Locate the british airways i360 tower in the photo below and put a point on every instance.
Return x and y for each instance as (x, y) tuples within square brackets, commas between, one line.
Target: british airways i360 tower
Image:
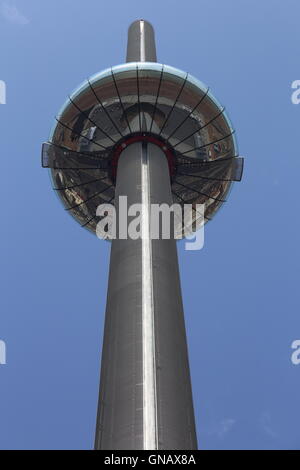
[(155, 134)]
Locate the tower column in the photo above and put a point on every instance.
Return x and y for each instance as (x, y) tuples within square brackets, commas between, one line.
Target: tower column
[(141, 42), (145, 399)]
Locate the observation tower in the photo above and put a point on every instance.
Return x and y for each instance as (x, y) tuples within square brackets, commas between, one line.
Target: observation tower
[(154, 134)]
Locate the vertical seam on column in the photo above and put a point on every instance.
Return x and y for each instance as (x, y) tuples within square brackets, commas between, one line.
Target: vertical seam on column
[(148, 330), (142, 41)]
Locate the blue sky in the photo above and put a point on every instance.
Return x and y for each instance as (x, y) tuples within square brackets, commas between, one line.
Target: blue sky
[(241, 292)]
